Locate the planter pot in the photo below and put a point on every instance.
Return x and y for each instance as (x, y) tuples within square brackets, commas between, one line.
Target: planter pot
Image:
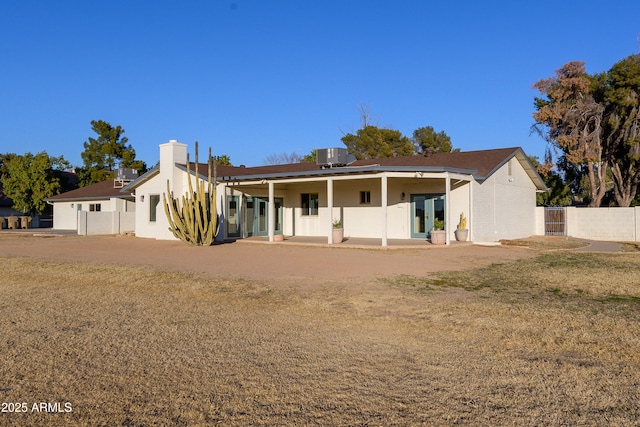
[(278, 237), (438, 237), (461, 234), (338, 235)]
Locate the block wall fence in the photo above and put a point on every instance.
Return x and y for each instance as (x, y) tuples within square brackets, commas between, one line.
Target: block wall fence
[(608, 224)]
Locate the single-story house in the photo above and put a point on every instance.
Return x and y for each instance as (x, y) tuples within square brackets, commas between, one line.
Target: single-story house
[(387, 198), (102, 202)]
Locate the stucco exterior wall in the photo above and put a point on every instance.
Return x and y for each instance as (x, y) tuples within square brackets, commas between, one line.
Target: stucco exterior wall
[(460, 202), (171, 153), (65, 214), (503, 205)]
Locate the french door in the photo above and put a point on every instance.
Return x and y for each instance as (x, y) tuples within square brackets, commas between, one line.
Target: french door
[(256, 216), (425, 208)]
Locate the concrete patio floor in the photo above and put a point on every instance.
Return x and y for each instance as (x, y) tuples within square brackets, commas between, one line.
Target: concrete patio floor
[(354, 242)]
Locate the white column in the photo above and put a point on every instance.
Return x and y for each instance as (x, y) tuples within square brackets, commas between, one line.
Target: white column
[(330, 209), (272, 212), (383, 207), (447, 210)]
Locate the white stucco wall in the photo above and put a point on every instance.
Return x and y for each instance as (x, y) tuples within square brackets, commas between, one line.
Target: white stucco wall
[(539, 221), (171, 153), (108, 222), (503, 206), (65, 214), (460, 202)]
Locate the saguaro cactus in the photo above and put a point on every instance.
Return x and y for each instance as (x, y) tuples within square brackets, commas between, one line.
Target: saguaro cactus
[(193, 218)]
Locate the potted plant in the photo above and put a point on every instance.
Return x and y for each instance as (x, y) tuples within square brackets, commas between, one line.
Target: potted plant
[(338, 231), (438, 234), (461, 232)]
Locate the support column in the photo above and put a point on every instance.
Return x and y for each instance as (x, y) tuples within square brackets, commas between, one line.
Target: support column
[(272, 212), (383, 206), (330, 209), (447, 206)]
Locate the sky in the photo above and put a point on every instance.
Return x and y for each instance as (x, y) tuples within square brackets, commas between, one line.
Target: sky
[(253, 78)]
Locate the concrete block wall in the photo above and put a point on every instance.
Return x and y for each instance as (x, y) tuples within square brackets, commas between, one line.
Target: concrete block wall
[(610, 224), (607, 224)]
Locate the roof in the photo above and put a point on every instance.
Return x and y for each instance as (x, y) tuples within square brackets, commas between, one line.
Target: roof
[(99, 191), (480, 164)]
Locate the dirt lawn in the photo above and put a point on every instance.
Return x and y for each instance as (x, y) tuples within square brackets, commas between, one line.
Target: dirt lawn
[(122, 331), (304, 266)]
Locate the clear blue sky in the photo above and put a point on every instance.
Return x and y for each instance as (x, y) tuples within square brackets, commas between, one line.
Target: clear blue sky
[(252, 78)]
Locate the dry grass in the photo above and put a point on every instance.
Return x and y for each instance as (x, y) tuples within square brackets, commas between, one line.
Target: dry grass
[(547, 242), (552, 340)]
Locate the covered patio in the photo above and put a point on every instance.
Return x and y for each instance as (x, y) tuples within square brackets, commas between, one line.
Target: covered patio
[(377, 205)]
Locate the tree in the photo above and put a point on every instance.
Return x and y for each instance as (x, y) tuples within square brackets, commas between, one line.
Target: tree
[(4, 162), (223, 160), (283, 158), (28, 180), (427, 140), (571, 118), (103, 154), (311, 157), (372, 142), (595, 121), (559, 193), (623, 127)]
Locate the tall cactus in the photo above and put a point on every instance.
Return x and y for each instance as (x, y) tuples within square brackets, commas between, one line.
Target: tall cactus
[(193, 218)]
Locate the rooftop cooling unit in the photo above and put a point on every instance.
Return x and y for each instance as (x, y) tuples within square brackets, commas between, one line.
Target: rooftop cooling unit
[(332, 157), (124, 176)]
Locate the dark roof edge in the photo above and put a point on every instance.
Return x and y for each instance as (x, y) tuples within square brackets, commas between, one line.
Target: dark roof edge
[(73, 199), (343, 170)]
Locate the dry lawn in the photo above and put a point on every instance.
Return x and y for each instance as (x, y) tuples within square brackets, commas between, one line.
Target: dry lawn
[(547, 340)]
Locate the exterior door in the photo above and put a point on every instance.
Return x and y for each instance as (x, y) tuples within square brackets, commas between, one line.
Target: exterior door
[(257, 216), (233, 216), (424, 209)]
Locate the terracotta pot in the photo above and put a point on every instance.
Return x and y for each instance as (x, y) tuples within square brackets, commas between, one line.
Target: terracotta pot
[(278, 237)]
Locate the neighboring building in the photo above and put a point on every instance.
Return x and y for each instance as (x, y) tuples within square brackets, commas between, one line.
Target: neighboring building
[(95, 209), (388, 198)]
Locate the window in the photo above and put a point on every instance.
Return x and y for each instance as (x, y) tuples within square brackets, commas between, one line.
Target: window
[(154, 200), (365, 197), (95, 207), (309, 204)]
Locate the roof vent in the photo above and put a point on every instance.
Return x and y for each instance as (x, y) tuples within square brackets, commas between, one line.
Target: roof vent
[(333, 157), (123, 176)]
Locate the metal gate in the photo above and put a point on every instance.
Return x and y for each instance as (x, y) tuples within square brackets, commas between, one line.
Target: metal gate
[(554, 221)]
